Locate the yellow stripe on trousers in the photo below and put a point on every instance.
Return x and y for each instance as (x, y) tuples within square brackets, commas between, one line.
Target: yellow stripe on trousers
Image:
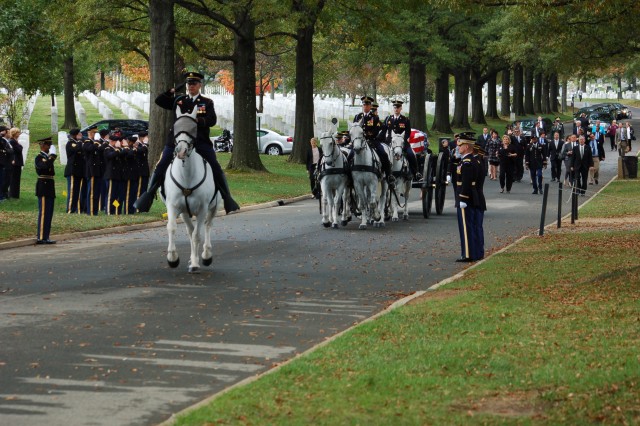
[(90, 207), (42, 210), (70, 195), (463, 213), (108, 206)]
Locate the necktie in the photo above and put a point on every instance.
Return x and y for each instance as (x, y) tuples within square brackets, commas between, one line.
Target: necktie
[(581, 151)]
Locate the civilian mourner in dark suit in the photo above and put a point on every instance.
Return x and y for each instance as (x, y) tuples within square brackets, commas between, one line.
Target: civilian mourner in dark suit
[(314, 155), (555, 157), (45, 190), (16, 164), (581, 162)]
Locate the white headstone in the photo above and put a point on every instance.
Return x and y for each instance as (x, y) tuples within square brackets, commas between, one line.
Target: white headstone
[(54, 119), (23, 140), (62, 144)]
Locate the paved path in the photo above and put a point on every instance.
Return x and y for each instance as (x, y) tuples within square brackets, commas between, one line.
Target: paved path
[(99, 331)]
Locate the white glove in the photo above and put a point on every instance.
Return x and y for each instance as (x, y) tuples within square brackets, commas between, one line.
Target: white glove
[(118, 145), (463, 205), (52, 150), (448, 178)]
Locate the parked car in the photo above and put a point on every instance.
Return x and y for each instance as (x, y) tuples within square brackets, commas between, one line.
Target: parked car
[(273, 143), (623, 111), (527, 124), (604, 117), (128, 127)]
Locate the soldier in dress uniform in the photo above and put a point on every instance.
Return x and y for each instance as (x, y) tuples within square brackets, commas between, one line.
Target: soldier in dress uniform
[(75, 173), (45, 189), (113, 175), (93, 156), (371, 127), (481, 169), (467, 199), (374, 108), (399, 123), (132, 174), (143, 162), (206, 118)]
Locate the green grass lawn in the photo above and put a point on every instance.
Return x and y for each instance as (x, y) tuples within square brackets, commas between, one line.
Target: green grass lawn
[(545, 333)]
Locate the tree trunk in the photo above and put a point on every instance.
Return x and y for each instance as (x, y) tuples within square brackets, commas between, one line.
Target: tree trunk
[(583, 86), (619, 89), (546, 101), (537, 94), (461, 97), (69, 100), (528, 91), (492, 98), (103, 83), (441, 115), (505, 102), (53, 99), (553, 92), (417, 85), (303, 131), (518, 105), (564, 95), (245, 148), (477, 111), (162, 67)]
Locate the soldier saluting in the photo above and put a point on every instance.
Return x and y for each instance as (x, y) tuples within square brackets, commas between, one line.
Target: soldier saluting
[(399, 123), (370, 123), (206, 118), (45, 189)]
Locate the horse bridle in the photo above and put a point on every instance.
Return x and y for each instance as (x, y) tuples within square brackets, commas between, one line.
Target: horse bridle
[(330, 156)]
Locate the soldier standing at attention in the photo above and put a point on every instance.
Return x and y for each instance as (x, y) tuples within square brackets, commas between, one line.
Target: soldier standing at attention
[(45, 189), (467, 198), (371, 127), (75, 173), (112, 175), (206, 118), (398, 123), (94, 160), (143, 162)]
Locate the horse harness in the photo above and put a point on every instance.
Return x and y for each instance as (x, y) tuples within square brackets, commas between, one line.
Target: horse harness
[(366, 168), (188, 191)]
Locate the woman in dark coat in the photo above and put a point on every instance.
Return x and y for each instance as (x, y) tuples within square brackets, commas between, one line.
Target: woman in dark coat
[(16, 163), (507, 154)]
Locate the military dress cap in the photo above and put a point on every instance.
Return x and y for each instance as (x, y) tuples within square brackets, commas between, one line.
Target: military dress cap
[(366, 100), (74, 131), (114, 136), (466, 138), (143, 133), (396, 103), (94, 127), (374, 105), (45, 141), (103, 132), (477, 148), (192, 76), (534, 138)]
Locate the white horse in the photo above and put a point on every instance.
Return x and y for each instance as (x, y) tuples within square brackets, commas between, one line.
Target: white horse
[(189, 190), (400, 170), (366, 172), (333, 181)]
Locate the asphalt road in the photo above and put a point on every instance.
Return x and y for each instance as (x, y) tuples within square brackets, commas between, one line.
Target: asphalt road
[(99, 331)]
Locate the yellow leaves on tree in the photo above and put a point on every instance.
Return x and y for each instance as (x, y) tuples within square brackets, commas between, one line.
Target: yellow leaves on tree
[(225, 78), (135, 68)]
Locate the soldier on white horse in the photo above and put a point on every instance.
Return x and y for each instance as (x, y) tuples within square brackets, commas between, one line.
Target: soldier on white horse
[(399, 123), (400, 170), (366, 172), (333, 180), (189, 191)]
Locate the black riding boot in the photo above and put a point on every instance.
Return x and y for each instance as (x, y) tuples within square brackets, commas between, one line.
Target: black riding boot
[(143, 204), (229, 203), (386, 168)]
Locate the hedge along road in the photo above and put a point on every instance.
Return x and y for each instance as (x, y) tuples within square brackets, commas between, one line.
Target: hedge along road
[(100, 331)]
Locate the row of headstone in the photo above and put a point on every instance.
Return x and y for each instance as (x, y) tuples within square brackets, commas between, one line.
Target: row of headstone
[(140, 100), (104, 110), (82, 114)]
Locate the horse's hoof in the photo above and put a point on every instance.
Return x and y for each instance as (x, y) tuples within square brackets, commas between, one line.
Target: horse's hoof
[(335, 226), (382, 224), (207, 262), (370, 222), (326, 224), (405, 217), (174, 264), (349, 219), (344, 222), (362, 226), (194, 270), (395, 219)]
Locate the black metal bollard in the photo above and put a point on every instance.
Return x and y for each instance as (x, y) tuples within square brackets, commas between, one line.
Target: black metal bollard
[(559, 204), (544, 208)]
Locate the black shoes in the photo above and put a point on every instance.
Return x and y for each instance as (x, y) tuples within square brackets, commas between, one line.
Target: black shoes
[(464, 259), (45, 242), (535, 192), (596, 181)]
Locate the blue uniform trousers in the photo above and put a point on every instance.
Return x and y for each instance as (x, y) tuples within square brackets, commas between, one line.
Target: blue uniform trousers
[(129, 195), (536, 178), (114, 192), (45, 215), (95, 187), (76, 194), (478, 252), (468, 232)]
